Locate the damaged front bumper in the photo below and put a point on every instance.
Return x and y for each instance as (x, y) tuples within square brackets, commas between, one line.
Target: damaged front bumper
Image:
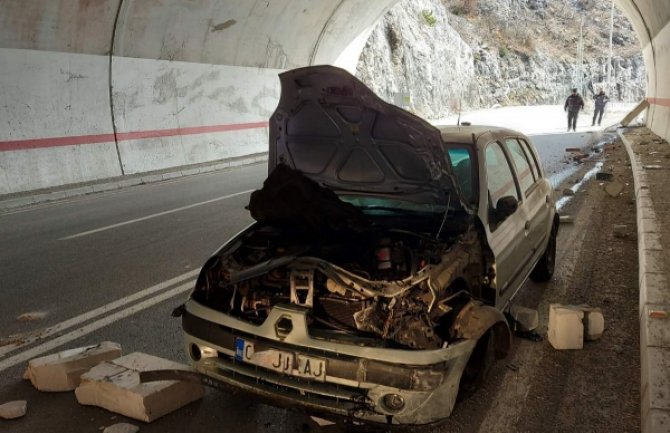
[(283, 363)]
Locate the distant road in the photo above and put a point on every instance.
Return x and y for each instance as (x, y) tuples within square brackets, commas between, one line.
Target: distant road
[(539, 119)]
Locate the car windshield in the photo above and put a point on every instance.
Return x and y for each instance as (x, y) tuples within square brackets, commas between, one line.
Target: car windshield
[(387, 206)]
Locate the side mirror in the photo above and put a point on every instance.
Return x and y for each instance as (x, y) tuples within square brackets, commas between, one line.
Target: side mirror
[(505, 207)]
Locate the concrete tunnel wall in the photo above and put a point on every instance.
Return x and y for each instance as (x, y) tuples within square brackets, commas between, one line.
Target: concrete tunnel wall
[(92, 89)]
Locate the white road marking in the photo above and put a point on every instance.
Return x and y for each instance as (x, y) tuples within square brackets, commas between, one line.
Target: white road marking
[(67, 324), (93, 326), (155, 215)]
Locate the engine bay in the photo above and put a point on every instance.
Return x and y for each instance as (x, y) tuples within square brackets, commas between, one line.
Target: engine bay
[(399, 277), (386, 284)]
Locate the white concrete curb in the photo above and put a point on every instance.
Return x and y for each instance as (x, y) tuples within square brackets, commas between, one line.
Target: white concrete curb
[(119, 183), (654, 307)]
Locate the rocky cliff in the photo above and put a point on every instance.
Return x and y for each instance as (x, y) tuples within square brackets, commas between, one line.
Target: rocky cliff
[(433, 56)]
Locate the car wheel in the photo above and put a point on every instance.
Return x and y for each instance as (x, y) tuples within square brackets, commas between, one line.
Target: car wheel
[(544, 269), (478, 367)]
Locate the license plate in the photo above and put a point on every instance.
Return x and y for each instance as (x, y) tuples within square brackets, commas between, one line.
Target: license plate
[(281, 361)]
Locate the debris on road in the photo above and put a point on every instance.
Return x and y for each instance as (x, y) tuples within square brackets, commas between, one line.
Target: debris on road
[(32, 316), (620, 231), (614, 188), (566, 330), (13, 409), (525, 319), (513, 367), (603, 175), (594, 323), (652, 167), (115, 386), (566, 219), (571, 325), (568, 192), (61, 371), (321, 422), (121, 427)]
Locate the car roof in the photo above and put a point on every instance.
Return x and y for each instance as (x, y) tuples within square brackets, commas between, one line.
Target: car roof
[(463, 134)]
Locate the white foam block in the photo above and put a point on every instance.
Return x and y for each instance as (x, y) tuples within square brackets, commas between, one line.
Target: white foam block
[(61, 371), (115, 386), (566, 330)]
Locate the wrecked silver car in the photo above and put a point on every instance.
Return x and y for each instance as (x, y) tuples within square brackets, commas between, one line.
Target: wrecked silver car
[(373, 283)]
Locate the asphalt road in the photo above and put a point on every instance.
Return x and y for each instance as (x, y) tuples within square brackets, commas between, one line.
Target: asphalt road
[(112, 266)]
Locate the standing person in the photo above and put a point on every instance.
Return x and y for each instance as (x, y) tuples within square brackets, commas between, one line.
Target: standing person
[(573, 104), (600, 100)]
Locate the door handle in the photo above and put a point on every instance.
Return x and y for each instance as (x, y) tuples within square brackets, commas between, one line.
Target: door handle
[(527, 225)]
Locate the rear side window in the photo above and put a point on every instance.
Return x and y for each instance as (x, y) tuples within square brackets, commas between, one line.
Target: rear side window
[(523, 166), (535, 165), (461, 161), (499, 174)]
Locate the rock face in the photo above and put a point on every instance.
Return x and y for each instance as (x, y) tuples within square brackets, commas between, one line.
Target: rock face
[(429, 55), (413, 51)]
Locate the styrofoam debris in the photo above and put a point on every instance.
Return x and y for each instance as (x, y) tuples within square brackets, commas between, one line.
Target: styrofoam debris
[(121, 427), (61, 371), (115, 386), (566, 330), (13, 409)]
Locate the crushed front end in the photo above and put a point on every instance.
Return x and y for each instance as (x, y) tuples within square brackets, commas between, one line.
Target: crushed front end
[(361, 290), (364, 316)]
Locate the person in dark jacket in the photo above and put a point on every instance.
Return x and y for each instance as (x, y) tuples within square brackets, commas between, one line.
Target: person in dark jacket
[(573, 104), (600, 101)]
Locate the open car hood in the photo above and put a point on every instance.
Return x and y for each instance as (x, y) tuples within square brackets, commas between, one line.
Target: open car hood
[(336, 131)]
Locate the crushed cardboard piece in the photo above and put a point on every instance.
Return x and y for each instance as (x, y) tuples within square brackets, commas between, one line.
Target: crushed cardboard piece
[(61, 371), (121, 427), (614, 188), (13, 409), (115, 386), (566, 330)]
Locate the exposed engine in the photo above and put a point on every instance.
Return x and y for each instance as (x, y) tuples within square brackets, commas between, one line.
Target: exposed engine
[(396, 280), (393, 285)]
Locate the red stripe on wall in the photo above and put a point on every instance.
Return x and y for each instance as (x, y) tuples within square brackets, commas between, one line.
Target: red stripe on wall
[(665, 102), (124, 136)]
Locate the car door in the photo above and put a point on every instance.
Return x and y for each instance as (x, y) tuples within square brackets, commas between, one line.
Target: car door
[(532, 196), (540, 203), (505, 236)]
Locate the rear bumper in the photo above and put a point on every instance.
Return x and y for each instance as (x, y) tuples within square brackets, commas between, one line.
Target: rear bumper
[(357, 378)]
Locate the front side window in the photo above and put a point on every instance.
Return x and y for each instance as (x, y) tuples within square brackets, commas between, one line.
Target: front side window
[(499, 174), (461, 161), (523, 170), (534, 162)]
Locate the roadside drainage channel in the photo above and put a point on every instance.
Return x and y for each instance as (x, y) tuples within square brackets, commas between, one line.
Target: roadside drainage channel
[(125, 182), (654, 306)]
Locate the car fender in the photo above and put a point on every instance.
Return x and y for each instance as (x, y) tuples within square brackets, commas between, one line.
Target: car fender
[(475, 319)]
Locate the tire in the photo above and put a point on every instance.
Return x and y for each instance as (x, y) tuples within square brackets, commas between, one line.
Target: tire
[(544, 269)]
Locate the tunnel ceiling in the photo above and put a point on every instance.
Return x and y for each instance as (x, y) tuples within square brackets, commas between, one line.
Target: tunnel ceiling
[(135, 65), (272, 34), (261, 33)]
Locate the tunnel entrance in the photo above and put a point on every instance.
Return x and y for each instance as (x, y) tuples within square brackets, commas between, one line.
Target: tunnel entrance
[(436, 57)]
